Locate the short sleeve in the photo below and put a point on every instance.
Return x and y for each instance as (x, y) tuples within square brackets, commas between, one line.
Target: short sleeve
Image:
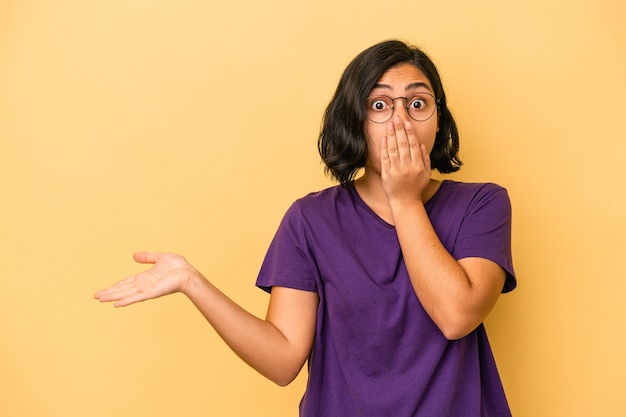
[(288, 261), (485, 231)]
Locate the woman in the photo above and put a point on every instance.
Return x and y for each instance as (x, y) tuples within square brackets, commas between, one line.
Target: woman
[(383, 281)]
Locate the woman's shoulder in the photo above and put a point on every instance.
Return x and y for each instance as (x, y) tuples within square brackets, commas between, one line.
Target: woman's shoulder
[(470, 187), (317, 201), (458, 193), (323, 197), (458, 188), (318, 208)]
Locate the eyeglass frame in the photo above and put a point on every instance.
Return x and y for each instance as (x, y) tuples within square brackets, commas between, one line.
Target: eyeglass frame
[(406, 101)]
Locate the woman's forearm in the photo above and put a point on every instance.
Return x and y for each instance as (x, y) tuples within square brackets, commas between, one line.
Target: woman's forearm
[(260, 343), (276, 347), (457, 295)]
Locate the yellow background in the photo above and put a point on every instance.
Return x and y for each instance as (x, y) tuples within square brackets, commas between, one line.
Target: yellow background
[(190, 126)]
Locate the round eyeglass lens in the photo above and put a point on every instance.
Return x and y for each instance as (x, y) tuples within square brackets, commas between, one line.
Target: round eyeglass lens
[(420, 107)]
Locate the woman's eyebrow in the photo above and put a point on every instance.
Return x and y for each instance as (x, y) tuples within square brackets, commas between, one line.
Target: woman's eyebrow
[(417, 85), (386, 86)]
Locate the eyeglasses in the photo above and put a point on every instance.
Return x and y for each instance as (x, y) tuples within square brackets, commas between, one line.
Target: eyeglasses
[(420, 107)]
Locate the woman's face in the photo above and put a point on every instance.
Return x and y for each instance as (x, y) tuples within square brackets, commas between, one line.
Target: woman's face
[(400, 81)]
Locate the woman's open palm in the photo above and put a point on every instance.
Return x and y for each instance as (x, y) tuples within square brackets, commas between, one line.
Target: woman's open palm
[(170, 274)]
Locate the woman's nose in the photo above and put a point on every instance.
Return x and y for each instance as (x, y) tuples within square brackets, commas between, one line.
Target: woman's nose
[(399, 108), (401, 112)]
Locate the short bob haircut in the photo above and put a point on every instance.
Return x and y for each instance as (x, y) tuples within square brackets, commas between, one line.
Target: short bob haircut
[(342, 144)]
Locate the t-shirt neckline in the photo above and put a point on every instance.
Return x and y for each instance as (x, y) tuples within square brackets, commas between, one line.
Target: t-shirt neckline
[(359, 200)]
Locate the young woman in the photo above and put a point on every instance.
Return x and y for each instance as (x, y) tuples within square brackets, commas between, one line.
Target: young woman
[(382, 282)]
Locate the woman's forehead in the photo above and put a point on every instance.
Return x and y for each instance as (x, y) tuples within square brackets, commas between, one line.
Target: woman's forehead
[(403, 76)]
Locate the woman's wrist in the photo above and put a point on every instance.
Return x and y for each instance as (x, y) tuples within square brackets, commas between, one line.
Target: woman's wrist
[(193, 283)]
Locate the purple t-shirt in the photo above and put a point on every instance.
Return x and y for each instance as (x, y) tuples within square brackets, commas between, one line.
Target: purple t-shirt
[(376, 351)]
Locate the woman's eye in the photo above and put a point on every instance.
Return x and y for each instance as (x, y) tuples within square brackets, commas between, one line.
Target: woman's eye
[(379, 105), (418, 104)]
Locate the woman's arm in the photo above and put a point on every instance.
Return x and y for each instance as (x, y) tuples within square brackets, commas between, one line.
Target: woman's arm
[(276, 347), (457, 295)]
